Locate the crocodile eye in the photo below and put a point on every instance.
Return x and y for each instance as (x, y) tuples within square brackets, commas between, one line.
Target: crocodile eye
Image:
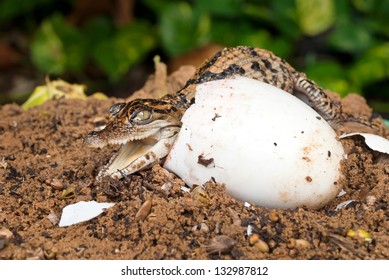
[(142, 116)]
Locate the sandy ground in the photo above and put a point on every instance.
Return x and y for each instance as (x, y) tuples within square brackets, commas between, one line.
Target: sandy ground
[(44, 166)]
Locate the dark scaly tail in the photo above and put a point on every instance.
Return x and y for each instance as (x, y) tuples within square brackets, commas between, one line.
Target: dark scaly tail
[(331, 111), (322, 103)]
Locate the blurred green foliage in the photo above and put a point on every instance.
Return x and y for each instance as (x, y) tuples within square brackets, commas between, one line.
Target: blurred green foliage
[(342, 45)]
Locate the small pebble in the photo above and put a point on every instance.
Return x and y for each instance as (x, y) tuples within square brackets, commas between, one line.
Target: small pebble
[(273, 216), (253, 238), (298, 244), (302, 244), (201, 228), (291, 243), (370, 200), (258, 243), (166, 187), (5, 236), (53, 218), (56, 184), (261, 246)]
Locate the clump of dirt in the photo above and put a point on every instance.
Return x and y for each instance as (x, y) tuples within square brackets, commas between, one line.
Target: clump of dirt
[(44, 166)]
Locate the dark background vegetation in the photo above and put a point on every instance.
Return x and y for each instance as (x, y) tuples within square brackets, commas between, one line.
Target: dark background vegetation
[(109, 45)]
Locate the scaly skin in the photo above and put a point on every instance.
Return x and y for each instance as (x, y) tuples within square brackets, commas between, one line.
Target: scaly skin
[(147, 128)]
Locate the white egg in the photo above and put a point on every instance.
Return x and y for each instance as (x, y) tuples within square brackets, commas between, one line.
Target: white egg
[(264, 144)]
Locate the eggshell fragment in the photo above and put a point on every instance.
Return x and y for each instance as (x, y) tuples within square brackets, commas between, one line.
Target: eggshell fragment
[(82, 211), (375, 142), (264, 144)]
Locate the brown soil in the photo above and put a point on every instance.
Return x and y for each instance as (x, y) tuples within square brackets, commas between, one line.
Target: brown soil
[(41, 155)]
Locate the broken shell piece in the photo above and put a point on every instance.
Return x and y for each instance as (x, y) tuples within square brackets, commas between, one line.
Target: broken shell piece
[(341, 193), (185, 189), (374, 142), (247, 204), (82, 211), (250, 230), (343, 204), (266, 146)]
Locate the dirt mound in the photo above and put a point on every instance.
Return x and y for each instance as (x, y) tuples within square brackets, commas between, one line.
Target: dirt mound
[(44, 166)]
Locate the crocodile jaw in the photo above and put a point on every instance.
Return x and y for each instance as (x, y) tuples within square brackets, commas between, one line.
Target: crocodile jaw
[(136, 154)]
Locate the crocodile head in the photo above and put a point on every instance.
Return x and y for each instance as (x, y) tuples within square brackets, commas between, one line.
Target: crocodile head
[(146, 129)]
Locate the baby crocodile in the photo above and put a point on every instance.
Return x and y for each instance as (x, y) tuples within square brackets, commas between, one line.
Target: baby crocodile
[(147, 128)]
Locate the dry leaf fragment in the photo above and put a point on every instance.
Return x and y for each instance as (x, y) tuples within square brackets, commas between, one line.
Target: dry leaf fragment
[(360, 233), (220, 244), (200, 194), (143, 211), (69, 192)]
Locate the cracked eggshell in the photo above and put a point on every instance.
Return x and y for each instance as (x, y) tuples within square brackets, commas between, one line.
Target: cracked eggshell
[(264, 144)]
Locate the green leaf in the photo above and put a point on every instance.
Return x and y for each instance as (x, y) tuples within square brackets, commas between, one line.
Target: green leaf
[(54, 90), (220, 7), (157, 5), (259, 38), (47, 49), (315, 16), (372, 66), (363, 5), (257, 11), (367, 70), (351, 38), (127, 47), (10, 9), (330, 75), (183, 29), (379, 16), (58, 47), (284, 18), (244, 33), (97, 30)]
